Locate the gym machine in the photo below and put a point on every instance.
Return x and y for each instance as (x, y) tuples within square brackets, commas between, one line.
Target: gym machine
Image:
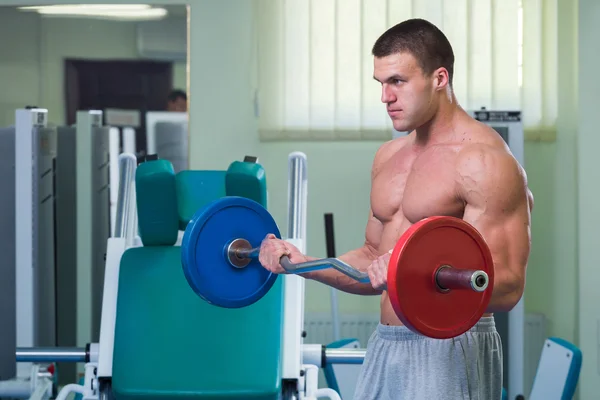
[(167, 136), (8, 339), (28, 293), (82, 229), (86, 190), (298, 374), (43, 355), (50, 174), (122, 139)]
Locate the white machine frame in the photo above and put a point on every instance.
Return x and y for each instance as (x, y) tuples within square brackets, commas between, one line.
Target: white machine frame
[(33, 380), (86, 122), (129, 146), (25, 190)]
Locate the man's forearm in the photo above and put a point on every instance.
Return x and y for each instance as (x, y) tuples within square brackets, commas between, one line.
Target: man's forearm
[(360, 259)]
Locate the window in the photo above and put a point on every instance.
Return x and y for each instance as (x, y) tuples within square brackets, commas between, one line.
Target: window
[(315, 65)]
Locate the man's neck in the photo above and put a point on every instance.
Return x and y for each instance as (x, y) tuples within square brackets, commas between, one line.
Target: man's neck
[(441, 124)]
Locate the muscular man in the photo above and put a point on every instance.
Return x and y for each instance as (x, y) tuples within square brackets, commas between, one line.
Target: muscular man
[(449, 164)]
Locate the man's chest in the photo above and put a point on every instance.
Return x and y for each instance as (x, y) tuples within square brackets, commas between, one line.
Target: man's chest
[(418, 186)]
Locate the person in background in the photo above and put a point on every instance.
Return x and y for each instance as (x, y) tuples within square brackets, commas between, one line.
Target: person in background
[(177, 101)]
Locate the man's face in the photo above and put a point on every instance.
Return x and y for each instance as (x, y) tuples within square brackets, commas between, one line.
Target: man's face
[(179, 105), (406, 91)]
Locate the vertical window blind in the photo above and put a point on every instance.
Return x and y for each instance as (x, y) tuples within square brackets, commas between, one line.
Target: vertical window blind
[(315, 68)]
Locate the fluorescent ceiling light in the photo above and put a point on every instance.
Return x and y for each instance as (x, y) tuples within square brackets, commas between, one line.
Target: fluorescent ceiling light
[(70, 8), (111, 11)]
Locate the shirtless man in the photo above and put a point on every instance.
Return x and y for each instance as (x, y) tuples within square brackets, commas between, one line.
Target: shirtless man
[(449, 164)]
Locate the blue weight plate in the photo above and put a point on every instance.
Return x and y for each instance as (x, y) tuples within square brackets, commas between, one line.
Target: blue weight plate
[(203, 250)]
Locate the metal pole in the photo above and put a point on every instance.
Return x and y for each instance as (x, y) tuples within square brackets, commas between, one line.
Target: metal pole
[(330, 242), (345, 356), (297, 196), (51, 354), (123, 215)]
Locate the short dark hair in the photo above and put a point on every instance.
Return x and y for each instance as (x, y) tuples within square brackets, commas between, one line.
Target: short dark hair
[(423, 40), (176, 94)]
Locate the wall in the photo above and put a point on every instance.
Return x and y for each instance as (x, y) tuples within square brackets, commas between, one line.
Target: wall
[(588, 190), (552, 284), (339, 176), (32, 67), (222, 123), (19, 63), (224, 128)]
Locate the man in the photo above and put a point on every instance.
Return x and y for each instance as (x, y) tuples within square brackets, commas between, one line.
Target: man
[(449, 164), (177, 101)]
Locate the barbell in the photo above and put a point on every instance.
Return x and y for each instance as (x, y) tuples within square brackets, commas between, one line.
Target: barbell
[(440, 272)]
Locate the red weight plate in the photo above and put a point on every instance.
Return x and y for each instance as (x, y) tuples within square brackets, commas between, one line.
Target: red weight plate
[(422, 249)]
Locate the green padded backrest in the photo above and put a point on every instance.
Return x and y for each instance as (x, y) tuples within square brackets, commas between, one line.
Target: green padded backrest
[(156, 203), (195, 189), (247, 179)]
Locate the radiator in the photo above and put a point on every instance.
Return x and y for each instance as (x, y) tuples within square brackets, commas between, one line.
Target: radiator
[(319, 328), (535, 336)]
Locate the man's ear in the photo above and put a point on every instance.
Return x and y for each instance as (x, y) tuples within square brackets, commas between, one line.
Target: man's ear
[(441, 78)]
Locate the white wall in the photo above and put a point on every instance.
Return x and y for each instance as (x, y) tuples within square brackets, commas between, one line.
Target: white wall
[(32, 62)]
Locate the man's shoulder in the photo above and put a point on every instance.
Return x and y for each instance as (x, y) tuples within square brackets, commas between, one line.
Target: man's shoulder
[(483, 143), (490, 173), (386, 150), (489, 165), (484, 155)]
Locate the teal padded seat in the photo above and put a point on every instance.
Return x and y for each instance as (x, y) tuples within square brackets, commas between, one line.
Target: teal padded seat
[(169, 343)]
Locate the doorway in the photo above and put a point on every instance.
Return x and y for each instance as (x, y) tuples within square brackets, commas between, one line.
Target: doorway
[(122, 84)]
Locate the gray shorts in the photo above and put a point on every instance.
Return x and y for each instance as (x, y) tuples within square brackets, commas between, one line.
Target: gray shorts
[(400, 364)]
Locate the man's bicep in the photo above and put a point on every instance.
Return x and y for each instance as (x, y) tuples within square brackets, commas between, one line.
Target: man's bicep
[(508, 236), (503, 231), (498, 205)]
